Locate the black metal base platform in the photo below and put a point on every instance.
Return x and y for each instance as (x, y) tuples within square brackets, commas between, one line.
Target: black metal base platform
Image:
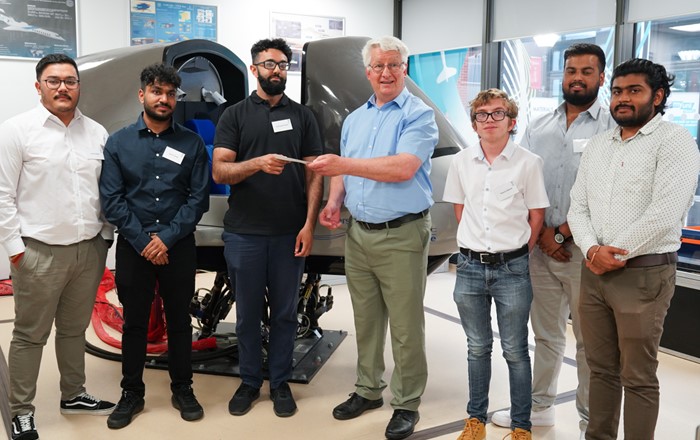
[(310, 354)]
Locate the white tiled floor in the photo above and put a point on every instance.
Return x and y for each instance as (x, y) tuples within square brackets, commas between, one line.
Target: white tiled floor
[(442, 409)]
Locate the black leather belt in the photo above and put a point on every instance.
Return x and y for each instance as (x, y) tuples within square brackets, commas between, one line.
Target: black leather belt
[(395, 223), (498, 258), (653, 260)]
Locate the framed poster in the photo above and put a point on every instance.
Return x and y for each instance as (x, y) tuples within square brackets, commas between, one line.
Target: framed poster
[(166, 22), (298, 29), (34, 28)]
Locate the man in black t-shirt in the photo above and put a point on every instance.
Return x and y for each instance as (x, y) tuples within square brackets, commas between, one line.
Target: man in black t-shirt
[(268, 228)]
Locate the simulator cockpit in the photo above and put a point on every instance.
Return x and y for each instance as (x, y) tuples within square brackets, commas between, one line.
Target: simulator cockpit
[(214, 78)]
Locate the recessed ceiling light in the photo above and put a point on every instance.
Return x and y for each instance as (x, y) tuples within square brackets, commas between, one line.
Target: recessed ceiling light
[(695, 27)]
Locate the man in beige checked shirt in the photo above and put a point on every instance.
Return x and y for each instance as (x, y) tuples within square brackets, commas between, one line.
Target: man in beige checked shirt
[(633, 189)]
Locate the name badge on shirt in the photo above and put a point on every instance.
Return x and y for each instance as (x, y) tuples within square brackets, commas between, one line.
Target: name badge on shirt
[(96, 155), (506, 191), (282, 125), (580, 145), (173, 155)]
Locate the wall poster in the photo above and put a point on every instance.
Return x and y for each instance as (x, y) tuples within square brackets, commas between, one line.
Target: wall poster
[(298, 29), (34, 28), (168, 22)]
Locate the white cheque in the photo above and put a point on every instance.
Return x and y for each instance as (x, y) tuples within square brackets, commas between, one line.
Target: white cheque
[(290, 159)]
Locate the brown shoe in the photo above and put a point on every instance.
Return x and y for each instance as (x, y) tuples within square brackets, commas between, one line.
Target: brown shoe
[(474, 429), (519, 434)]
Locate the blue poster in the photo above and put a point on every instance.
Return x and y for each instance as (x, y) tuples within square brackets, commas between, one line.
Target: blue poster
[(682, 109), (166, 22), (32, 29)]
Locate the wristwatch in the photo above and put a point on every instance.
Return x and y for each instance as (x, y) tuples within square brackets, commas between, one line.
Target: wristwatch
[(558, 236)]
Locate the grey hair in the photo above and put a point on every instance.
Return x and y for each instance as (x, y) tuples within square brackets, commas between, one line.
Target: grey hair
[(385, 43)]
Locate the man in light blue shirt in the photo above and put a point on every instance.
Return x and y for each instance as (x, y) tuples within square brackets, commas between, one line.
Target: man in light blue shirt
[(371, 132), (559, 138), (382, 177)]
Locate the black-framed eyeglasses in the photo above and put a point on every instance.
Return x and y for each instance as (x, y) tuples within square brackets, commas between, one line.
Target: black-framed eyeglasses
[(270, 65), (55, 83), (498, 115), (393, 67)]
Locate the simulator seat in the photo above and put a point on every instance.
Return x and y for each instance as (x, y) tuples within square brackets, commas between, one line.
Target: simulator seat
[(206, 129), (210, 252)]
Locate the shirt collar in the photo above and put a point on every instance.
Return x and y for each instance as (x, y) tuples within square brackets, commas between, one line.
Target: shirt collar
[(141, 126), (475, 151), (400, 100), (47, 115), (258, 100), (595, 110), (648, 128)]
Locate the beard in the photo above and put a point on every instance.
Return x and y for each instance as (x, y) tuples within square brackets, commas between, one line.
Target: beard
[(272, 88), (153, 114), (639, 116), (579, 99)]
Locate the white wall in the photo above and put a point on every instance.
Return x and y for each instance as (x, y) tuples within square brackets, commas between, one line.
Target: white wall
[(104, 24)]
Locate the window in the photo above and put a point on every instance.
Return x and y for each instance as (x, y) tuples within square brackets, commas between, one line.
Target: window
[(451, 79), (532, 70), (675, 43)]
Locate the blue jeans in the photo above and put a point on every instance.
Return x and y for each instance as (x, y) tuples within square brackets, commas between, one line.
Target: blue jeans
[(509, 286), (261, 265)]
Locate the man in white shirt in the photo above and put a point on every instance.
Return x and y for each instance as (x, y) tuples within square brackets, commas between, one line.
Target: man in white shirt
[(559, 137), (52, 229), (499, 199), (632, 193)]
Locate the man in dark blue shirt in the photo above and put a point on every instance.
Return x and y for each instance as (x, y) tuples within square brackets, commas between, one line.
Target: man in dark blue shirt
[(268, 228), (154, 189)]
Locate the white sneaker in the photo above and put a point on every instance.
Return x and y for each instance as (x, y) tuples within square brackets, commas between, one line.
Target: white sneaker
[(501, 418), (537, 418), (583, 435)]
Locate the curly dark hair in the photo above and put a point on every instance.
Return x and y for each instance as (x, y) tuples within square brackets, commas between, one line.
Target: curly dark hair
[(161, 73), (656, 77), (54, 58), (586, 49), (263, 45)]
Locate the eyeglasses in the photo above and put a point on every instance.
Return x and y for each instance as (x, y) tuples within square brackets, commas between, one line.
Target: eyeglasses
[(270, 65), (393, 67), (498, 115), (55, 83)]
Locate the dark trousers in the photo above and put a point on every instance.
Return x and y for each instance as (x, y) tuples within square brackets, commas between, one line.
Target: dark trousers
[(136, 280), (257, 265), (622, 318)]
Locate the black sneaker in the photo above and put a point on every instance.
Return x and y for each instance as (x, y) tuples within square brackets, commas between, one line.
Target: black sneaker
[(284, 404), (184, 400), (23, 427), (87, 404), (243, 399), (129, 405)]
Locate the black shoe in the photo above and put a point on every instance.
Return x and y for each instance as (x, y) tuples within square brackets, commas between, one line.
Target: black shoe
[(402, 424), (129, 405), (355, 406), (23, 427), (84, 403), (184, 400), (243, 399), (284, 404)]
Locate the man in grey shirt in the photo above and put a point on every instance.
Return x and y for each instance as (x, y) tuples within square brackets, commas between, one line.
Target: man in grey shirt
[(559, 137)]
